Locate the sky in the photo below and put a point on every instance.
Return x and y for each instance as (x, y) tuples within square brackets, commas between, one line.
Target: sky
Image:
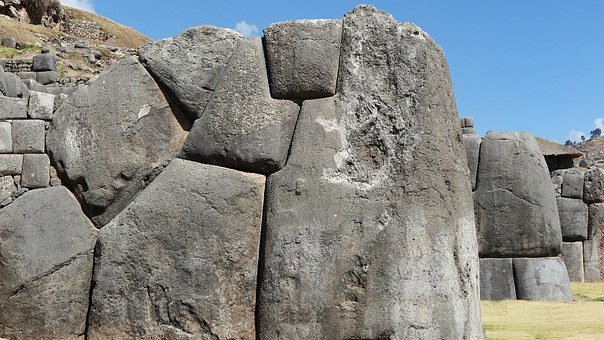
[(516, 65)]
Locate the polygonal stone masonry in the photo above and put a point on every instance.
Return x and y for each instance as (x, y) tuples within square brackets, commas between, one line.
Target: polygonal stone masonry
[(41, 105), (13, 108), (28, 136)]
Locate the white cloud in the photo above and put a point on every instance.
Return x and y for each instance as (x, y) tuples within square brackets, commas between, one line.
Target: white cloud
[(599, 123), (85, 5), (575, 136), (246, 29)]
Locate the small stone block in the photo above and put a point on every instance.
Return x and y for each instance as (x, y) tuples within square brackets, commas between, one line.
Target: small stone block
[(28, 136), (44, 62), (468, 131), (9, 42), (6, 139), (27, 75), (36, 171), (47, 77), (572, 187), (41, 105), (572, 254), (573, 218), (497, 279), (11, 165), (13, 108), (469, 122)]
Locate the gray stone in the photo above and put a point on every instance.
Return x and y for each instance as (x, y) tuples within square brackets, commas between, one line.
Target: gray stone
[(303, 57), (7, 187), (28, 136), (357, 247), (48, 77), (12, 86), (497, 279), (27, 75), (41, 105), (46, 268), (11, 108), (111, 137), (573, 219), (6, 139), (515, 204), (472, 147), (541, 279), (557, 177), (36, 171), (33, 85), (182, 258), (243, 127), (593, 187), (468, 131), (572, 255), (469, 122), (11, 164), (572, 187), (593, 248), (44, 62), (191, 64), (9, 42)]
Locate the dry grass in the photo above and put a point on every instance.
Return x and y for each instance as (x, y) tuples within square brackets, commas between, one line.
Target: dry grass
[(126, 36), (24, 32), (581, 319)]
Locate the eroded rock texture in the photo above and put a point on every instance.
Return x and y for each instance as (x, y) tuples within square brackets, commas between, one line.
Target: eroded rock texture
[(516, 207), (190, 65), (243, 127), (370, 227), (46, 253), (543, 279), (110, 138), (180, 262)]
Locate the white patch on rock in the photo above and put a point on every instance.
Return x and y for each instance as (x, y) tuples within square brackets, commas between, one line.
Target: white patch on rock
[(144, 111)]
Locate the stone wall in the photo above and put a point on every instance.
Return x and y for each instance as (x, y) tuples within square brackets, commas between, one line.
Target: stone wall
[(262, 188), (85, 30)]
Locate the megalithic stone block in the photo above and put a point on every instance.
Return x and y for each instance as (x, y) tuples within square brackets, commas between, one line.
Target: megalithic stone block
[(516, 207), (572, 255), (190, 65), (593, 248), (472, 147), (593, 188), (372, 216), (303, 58), (573, 184), (541, 279), (243, 128), (573, 218), (497, 279), (181, 260)]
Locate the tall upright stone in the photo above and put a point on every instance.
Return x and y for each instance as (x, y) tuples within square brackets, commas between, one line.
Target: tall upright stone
[(593, 248), (181, 261), (46, 253), (472, 147), (370, 227), (516, 207), (112, 137), (190, 65)]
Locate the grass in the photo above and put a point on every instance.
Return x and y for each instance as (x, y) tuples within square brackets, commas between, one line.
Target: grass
[(10, 53), (581, 319)]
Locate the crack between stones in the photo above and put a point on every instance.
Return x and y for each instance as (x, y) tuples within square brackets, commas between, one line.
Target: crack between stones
[(90, 291), (260, 265)]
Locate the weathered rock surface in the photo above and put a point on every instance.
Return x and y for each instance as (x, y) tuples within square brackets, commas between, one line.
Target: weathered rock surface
[(593, 188), (44, 62), (12, 86), (41, 105), (497, 279), (111, 137), (36, 171), (369, 228), (303, 58), (472, 147), (543, 279), (191, 64), (572, 187), (243, 127), (572, 255), (46, 247), (573, 219), (28, 136), (13, 108), (557, 180), (516, 207), (593, 249), (180, 262)]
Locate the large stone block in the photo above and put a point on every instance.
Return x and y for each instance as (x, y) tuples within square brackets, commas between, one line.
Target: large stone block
[(36, 171), (13, 108), (41, 105), (472, 147), (28, 136), (573, 219), (112, 136), (181, 260), (12, 86), (6, 137), (572, 255), (572, 187), (593, 188), (47, 77), (11, 164), (303, 58), (541, 279), (243, 127), (44, 62), (497, 279), (515, 204), (190, 65), (47, 251), (369, 227)]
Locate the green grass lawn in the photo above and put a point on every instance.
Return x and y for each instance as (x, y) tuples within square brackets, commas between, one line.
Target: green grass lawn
[(581, 319)]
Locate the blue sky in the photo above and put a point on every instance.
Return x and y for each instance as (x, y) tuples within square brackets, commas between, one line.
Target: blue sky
[(516, 65)]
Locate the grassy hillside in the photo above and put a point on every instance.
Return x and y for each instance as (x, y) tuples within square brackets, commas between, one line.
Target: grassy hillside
[(581, 319)]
